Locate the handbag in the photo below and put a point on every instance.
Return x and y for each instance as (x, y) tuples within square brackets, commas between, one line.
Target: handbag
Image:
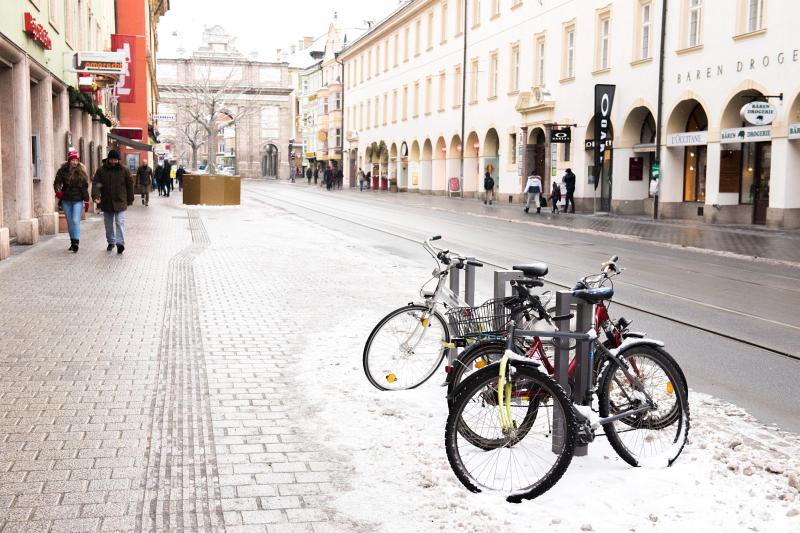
[(542, 201)]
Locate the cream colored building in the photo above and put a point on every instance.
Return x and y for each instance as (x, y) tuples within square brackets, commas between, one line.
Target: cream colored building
[(531, 64)]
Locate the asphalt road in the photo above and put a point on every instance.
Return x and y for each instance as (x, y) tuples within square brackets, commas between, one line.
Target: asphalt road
[(720, 298)]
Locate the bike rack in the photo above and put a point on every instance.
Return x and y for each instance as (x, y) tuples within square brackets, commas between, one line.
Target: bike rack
[(565, 303), (581, 394), (469, 282)]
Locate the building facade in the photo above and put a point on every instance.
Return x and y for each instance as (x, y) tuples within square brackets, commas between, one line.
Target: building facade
[(254, 97), (42, 112), (532, 66)]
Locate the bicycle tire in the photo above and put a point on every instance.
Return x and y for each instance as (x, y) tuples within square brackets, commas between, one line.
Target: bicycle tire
[(462, 454), (372, 366), (646, 428)]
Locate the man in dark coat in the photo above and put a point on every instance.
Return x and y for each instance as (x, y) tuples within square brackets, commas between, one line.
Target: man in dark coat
[(112, 191), (144, 174), (167, 177), (179, 176), (159, 180), (569, 184)]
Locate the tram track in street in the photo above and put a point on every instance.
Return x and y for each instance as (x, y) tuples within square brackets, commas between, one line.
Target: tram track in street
[(346, 216)]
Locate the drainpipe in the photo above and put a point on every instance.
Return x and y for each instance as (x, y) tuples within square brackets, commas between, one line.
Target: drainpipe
[(660, 111), (343, 128), (464, 100)]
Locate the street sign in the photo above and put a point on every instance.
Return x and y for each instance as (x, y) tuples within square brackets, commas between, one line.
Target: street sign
[(165, 117), (655, 170)]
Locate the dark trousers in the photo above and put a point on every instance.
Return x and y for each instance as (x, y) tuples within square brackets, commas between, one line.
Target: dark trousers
[(569, 198)]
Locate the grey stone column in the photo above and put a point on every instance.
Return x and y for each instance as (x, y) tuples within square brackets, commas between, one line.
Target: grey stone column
[(27, 227), (42, 119)]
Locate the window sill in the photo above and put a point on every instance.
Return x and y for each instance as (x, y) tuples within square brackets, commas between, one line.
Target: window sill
[(427, 113), (516, 6), (515, 92), (429, 48), (473, 102), (567, 80), (643, 61), (459, 34), (54, 25), (475, 26), (442, 42), (492, 98), (440, 110), (601, 71), (743, 36), (689, 50), (495, 16), (457, 106)]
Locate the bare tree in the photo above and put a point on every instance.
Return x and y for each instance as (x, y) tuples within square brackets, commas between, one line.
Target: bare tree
[(211, 96), (186, 132)]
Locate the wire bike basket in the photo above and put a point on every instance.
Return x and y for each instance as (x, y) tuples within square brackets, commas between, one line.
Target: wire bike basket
[(490, 317)]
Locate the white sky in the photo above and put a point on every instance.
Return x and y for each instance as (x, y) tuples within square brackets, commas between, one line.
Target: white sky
[(262, 25)]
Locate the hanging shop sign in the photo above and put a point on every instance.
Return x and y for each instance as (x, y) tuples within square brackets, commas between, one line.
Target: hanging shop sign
[(590, 144), (37, 32), (404, 150), (603, 102), (750, 134), (561, 135), (126, 45), (758, 113), (687, 138), (100, 62), (794, 131)]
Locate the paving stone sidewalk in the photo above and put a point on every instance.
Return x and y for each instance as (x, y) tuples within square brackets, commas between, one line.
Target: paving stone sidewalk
[(746, 240), (155, 391)]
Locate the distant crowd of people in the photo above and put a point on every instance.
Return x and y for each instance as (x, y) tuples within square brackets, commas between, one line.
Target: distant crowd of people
[(328, 176)]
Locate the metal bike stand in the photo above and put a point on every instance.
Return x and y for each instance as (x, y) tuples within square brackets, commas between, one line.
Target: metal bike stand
[(581, 394), (469, 294), (501, 279)]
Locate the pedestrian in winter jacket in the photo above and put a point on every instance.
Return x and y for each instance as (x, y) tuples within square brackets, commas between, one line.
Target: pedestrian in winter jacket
[(112, 190), (533, 187), (71, 186), (179, 176), (159, 179), (488, 188), (144, 175), (569, 184)]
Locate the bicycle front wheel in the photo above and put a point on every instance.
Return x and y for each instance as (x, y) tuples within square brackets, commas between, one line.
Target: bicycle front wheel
[(405, 348), (521, 458), (656, 436)]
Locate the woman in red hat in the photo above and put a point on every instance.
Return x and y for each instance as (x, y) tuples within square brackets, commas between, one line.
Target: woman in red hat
[(72, 190)]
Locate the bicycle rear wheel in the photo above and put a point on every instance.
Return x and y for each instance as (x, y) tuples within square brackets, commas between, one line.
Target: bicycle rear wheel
[(524, 460), (655, 437), (405, 348)]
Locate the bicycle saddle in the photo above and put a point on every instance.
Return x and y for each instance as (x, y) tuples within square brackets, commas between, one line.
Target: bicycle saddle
[(534, 270), (594, 295)]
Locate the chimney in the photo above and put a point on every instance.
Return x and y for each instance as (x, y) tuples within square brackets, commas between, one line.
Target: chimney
[(307, 42)]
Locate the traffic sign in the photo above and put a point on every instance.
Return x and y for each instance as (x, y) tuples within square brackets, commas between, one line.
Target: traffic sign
[(655, 170)]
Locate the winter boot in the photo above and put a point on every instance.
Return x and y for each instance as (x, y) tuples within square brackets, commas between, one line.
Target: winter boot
[(72, 246)]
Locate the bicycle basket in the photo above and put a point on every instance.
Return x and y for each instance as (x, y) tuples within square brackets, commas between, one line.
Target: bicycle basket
[(489, 317)]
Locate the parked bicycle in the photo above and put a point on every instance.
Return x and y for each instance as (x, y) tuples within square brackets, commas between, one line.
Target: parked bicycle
[(513, 429), (488, 349), (407, 346)]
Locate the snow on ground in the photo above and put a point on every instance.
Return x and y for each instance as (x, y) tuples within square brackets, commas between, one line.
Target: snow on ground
[(734, 475)]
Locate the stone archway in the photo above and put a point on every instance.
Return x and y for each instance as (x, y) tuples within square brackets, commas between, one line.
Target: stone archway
[(270, 162), (472, 171), (490, 157), (426, 168), (440, 166), (635, 152), (414, 166)]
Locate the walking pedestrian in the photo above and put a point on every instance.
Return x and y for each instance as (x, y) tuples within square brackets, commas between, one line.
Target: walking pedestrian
[(179, 175), (328, 178), (318, 175), (534, 188), (555, 195), (360, 177), (158, 178), (309, 173), (488, 188), (71, 186), (368, 179), (339, 178), (569, 185), (144, 175), (167, 177), (112, 190)]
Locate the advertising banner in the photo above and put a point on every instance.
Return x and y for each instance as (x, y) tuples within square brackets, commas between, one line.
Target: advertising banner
[(603, 101), (127, 45)]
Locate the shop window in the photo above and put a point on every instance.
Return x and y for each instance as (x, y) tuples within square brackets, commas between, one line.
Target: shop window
[(695, 160), (512, 148)]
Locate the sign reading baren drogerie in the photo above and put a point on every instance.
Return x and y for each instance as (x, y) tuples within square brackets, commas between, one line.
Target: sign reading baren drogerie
[(745, 135)]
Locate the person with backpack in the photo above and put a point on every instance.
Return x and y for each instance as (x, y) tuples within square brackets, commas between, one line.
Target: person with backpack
[(555, 195), (533, 187), (144, 175), (488, 188)]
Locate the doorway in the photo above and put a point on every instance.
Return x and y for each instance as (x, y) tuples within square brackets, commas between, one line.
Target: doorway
[(755, 179)]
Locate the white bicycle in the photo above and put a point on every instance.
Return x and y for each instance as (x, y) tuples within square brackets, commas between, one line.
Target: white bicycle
[(407, 346)]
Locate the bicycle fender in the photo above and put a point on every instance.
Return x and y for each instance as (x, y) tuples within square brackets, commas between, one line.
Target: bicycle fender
[(631, 342), (468, 350)]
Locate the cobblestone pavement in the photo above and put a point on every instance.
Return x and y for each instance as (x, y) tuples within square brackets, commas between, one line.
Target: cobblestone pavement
[(747, 240), (154, 391)]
